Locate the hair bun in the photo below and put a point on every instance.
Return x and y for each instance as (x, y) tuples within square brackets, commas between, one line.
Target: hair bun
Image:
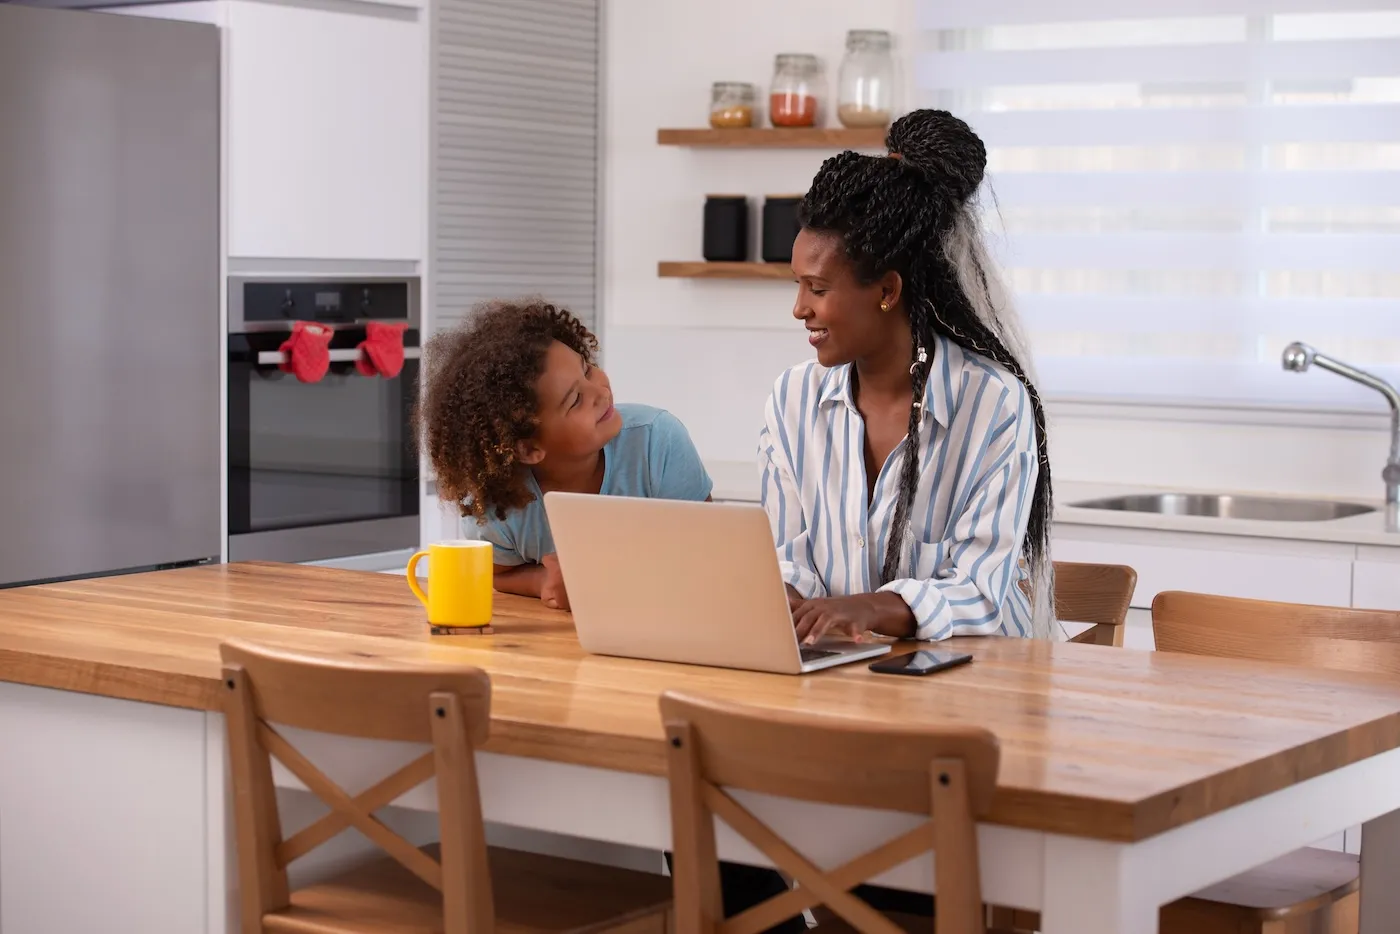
[(942, 147)]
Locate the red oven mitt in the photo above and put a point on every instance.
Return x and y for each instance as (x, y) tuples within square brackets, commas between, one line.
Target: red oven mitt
[(381, 352), (308, 351)]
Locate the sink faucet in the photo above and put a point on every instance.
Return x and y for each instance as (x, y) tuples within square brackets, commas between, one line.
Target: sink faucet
[(1298, 357)]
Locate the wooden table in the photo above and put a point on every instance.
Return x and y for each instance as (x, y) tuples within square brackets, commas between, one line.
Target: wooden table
[(1128, 778)]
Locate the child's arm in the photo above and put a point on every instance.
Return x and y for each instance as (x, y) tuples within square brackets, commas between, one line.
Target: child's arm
[(542, 580), (525, 580), (512, 572)]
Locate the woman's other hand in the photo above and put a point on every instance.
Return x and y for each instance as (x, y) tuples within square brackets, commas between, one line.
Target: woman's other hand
[(849, 618)]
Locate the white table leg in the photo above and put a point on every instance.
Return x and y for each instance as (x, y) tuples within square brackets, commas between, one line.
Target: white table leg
[(1380, 873), (1089, 890)]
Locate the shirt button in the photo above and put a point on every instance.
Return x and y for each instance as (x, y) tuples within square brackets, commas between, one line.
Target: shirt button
[(860, 542)]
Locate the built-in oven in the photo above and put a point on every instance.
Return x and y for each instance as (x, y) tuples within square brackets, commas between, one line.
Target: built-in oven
[(328, 468)]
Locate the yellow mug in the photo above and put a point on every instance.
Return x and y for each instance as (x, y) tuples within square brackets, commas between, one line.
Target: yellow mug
[(459, 583)]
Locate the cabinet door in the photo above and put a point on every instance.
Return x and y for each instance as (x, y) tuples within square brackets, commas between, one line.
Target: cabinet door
[(327, 132), (104, 818), (1257, 569), (1376, 579)]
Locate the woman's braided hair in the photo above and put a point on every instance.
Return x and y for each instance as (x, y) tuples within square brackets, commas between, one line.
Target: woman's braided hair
[(902, 214)]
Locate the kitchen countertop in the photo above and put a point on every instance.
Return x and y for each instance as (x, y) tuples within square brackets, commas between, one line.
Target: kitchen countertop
[(738, 482), (1096, 741)]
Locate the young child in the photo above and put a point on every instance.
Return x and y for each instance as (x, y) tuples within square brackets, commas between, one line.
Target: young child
[(513, 406)]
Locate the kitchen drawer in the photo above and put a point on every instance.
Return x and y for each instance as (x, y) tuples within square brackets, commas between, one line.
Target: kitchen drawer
[(1286, 571)]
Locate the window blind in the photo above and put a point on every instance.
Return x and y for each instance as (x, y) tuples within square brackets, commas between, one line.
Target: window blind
[(515, 100), (1183, 187)]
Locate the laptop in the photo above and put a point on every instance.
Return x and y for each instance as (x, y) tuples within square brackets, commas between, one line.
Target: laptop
[(673, 581)]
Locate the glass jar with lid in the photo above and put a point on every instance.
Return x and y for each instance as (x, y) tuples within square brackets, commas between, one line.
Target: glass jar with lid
[(796, 93), (731, 105), (865, 85)]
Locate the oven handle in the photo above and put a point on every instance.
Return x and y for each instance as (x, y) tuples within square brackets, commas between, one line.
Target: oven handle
[(350, 355)]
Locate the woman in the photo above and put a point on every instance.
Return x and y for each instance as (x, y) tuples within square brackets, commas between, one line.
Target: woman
[(905, 470)]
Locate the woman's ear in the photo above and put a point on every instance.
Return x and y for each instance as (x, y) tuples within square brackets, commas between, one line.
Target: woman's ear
[(891, 288), (528, 452)]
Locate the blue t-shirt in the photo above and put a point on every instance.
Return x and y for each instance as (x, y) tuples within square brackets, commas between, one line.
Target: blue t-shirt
[(652, 456)]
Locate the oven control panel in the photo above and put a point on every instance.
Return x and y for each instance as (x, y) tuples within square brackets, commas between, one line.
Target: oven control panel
[(258, 304), (325, 301)]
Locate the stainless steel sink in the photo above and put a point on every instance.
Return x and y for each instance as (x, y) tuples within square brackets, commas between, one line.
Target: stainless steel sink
[(1221, 506)]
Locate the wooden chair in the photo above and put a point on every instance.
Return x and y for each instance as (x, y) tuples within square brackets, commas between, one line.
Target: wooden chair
[(948, 775), (461, 886), (1094, 593), (1311, 891)]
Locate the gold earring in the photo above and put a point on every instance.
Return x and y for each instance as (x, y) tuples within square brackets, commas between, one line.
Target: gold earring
[(884, 306)]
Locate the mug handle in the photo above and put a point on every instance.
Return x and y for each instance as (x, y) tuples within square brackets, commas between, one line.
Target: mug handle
[(413, 578)]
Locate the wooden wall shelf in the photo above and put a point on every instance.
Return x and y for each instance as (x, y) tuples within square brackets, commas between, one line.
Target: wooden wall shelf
[(777, 272), (776, 138)]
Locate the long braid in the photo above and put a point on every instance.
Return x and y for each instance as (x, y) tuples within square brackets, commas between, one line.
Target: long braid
[(899, 214), (1037, 531), (919, 371), (974, 334), (909, 473)]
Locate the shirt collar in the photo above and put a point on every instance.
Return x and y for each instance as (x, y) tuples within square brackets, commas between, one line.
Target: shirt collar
[(938, 391), (836, 385)]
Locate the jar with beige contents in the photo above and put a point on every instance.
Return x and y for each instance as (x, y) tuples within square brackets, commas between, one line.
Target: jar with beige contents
[(731, 105), (865, 84)]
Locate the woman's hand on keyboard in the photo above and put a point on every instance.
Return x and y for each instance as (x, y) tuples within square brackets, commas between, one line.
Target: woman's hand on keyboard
[(851, 617)]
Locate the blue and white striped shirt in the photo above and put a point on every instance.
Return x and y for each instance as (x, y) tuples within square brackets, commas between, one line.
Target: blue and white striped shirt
[(977, 450)]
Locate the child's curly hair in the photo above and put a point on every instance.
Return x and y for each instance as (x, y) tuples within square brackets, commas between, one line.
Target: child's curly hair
[(478, 399)]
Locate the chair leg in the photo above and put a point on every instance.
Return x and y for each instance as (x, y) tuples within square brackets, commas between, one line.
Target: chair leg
[(1344, 917)]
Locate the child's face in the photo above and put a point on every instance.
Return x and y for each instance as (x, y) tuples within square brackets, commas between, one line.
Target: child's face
[(576, 413)]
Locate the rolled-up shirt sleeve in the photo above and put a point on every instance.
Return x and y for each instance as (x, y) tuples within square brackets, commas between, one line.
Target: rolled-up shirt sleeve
[(976, 565), (791, 534), (504, 550)]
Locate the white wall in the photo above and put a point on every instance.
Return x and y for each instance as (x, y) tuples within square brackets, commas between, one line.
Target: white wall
[(709, 351)]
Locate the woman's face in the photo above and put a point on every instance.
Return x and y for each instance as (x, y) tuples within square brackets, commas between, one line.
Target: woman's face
[(843, 317)]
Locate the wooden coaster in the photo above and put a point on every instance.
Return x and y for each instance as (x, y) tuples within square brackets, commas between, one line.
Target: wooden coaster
[(461, 630)]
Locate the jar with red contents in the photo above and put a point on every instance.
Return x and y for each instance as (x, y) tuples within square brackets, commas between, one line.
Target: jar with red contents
[(794, 100)]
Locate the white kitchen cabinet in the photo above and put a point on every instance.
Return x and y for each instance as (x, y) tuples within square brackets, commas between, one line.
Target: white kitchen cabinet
[(89, 783), (327, 131), (1376, 578), (1232, 566)]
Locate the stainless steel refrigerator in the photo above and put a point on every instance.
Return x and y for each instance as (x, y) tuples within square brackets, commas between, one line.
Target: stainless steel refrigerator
[(110, 344)]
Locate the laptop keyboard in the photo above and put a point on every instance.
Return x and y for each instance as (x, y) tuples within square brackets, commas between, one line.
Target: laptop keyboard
[(813, 655)]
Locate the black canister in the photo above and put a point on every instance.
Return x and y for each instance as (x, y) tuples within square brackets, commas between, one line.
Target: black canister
[(726, 237), (779, 227)]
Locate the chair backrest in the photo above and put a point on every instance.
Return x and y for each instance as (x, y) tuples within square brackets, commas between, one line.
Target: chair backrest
[(946, 774), (1094, 593), (448, 706), (1320, 636)]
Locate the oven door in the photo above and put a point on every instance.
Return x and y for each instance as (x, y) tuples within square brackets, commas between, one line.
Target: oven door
[(319, 470)]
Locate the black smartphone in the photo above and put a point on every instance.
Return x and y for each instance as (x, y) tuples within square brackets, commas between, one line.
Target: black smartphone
[(922, 662)]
